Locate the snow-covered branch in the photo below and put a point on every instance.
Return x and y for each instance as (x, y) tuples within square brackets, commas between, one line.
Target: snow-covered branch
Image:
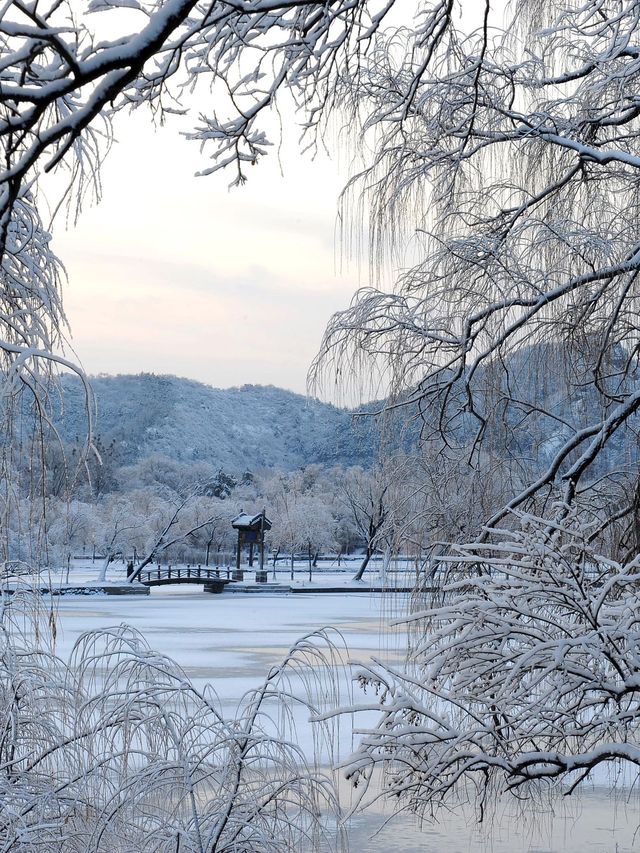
[(504, 178), (116, 749), (524, 669)]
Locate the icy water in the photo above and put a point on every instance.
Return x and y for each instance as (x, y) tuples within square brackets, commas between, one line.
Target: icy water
[(232, 641), (595, 822)]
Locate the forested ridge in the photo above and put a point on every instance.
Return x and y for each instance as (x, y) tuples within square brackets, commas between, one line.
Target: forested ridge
[(235, 429), (256, 427)]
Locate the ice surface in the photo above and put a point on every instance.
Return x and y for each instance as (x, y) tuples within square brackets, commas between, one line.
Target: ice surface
[(232, 641)]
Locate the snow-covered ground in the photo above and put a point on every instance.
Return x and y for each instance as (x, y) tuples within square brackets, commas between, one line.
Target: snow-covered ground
[(326, 573), (233, 640)]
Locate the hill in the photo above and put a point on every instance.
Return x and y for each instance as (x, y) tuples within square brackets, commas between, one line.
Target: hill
[(254, 427), (236, 429)]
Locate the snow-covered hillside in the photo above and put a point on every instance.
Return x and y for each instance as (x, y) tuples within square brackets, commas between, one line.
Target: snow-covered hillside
[(256, 427), (235, 429)]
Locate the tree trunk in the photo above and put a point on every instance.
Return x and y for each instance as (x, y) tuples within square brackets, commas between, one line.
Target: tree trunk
[(364, 564), (292, 555), (386, 561), (102, 574), (148, 559)]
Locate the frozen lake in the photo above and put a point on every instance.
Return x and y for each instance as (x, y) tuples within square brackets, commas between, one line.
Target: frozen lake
[(232, 641)]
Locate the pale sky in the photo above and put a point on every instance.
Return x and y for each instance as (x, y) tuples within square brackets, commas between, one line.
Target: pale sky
[(176, 274)]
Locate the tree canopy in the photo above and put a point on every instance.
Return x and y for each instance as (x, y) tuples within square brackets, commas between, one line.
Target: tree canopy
[(503, 175)]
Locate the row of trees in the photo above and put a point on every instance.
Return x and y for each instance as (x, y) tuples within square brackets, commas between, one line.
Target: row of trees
[(160, 508), (313, 510)]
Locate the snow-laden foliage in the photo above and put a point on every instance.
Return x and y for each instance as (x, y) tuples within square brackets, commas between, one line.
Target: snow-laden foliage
[(524, 674), (115, 750), (501, 170)]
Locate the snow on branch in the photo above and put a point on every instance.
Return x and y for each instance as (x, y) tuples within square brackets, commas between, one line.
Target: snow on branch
[(500, 171), (115, 749), (524, 672)]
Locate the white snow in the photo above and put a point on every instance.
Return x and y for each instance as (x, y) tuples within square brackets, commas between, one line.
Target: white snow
[(232, 641)]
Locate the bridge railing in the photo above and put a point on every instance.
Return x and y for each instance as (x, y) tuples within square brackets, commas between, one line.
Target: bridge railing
[(185, 574)]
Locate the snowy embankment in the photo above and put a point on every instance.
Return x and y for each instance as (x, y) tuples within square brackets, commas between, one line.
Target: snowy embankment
[(326, 576)]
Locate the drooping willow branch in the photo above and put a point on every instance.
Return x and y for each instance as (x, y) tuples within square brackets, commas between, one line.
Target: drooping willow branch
[(507, 156)]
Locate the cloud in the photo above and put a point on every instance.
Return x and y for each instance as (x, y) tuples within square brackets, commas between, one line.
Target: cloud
[(175, 274), (134, 314)]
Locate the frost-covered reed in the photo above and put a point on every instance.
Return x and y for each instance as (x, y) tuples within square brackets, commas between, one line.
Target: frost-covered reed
[(115, 750)]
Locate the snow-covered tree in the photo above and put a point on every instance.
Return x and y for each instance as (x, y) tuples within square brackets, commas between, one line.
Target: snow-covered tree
[(209, 518), (500, 170), (114, 749), (69, 528), (120, 522), (303, 513), (174, 522), (379, 505), (524, 672), (504, 138)]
